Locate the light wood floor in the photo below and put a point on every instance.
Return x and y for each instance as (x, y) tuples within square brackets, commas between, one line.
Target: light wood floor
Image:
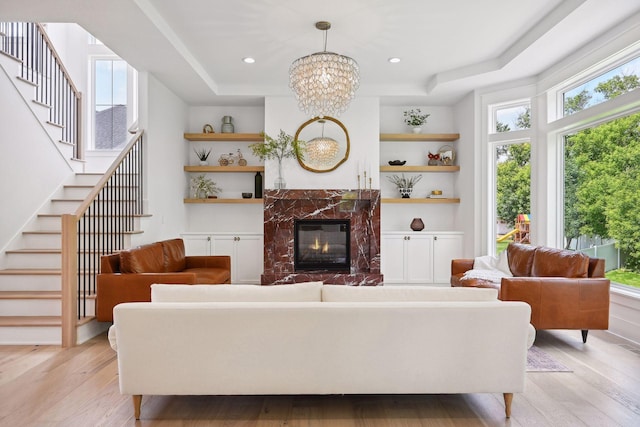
[(50, 386)]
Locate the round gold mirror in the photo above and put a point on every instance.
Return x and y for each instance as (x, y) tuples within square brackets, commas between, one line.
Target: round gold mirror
[(326, 144)]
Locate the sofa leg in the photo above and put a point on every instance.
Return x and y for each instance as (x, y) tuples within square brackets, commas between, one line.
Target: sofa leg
[(137, 401), (584, 335), (508, 398)]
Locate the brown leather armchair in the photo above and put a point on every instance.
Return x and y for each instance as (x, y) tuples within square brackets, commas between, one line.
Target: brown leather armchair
[(565, 289), (127, 276)]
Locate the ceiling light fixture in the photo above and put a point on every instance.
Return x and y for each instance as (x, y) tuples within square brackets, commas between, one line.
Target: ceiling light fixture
[(324, 82), (248, 60), (394, 60)]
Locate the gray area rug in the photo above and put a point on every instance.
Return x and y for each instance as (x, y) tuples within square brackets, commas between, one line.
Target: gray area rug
[(540, 361)]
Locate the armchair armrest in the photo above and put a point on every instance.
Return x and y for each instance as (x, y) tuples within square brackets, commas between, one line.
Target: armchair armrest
[(561, 303), (113, 289), (211, 261), (461, 265)]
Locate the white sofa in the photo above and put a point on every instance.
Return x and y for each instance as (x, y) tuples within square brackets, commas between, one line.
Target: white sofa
[(315, 339)]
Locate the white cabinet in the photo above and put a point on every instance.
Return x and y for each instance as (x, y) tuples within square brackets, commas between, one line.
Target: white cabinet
[(419, 257), (245, 250)]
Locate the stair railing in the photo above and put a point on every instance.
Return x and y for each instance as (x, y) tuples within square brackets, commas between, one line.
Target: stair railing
[(99, 227), (42, 66)]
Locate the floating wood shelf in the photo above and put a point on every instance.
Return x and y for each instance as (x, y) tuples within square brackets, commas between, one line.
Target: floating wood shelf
[(224, 137), (420, 200), (419, 168), (236, 201), (224, 168), (410, 137)]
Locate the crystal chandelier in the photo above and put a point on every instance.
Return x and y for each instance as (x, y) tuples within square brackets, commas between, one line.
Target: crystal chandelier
[(322, 151), (324, 82)]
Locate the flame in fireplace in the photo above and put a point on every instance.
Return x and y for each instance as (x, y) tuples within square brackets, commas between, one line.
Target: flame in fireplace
[(317, 247), (325, 248)]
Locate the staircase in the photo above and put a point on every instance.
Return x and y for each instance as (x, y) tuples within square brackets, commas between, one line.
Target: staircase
[(102, 212)]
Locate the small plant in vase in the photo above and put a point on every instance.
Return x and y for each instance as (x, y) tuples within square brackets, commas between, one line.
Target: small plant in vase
[(203, 155), (405, 185), (203, 187), (282, 147), (415, 119)]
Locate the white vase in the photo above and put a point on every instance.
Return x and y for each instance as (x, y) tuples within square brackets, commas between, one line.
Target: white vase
[(204, 163), (417, 130)]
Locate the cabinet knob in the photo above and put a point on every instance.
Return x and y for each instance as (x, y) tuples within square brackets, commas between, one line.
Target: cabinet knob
[(435, 237), (208, 238)]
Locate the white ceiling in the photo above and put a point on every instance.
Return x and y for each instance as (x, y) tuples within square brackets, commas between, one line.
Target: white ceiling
[(447, 47)]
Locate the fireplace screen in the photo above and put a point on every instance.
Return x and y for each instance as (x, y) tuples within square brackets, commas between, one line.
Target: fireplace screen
[(322, 244)]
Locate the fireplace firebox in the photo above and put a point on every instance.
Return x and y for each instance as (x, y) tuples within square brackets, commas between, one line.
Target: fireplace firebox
[(322, 244)]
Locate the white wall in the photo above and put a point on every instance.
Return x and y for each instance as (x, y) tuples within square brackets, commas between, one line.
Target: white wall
[(163, 116), (32, 168)]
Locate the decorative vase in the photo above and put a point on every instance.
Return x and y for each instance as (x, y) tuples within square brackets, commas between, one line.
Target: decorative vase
[(203, 163), (417, 130), (227, 125), (279, 183), (417, 224), (405, 192), (257, 190)]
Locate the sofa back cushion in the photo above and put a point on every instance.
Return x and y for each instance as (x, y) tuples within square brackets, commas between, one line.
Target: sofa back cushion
[(551, 262), (298, 292), (143, 259), (174, 259), (520, 258), (339, 293)]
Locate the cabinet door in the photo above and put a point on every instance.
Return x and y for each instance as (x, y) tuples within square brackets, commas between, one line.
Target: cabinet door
[(249, 259), (392, 259), (197, 244), (419, 259), (445, 248)]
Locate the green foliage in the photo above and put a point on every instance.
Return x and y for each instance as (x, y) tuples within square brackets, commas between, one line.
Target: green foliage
[(415, 117), (617, 85), (624, 277), (201, 186), (285, 146), (502, 127), (577, 103), (602, 184), (404, 182), (523, 121), (514, 183)]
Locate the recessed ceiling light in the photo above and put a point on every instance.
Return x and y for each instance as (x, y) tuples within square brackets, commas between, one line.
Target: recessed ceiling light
[(394, 60), (248, 60)]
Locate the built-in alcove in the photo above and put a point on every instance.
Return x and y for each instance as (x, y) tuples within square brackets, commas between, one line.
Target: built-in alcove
[(350, 217)]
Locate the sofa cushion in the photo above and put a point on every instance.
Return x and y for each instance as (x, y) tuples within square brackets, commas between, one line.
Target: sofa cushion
[(210, 276), (298, 292), (174, 259), (551, 262), (143, 259), (340, 293), (520, 259)]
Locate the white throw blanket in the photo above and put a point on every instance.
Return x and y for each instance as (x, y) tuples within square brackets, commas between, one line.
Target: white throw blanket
[(489, 268)]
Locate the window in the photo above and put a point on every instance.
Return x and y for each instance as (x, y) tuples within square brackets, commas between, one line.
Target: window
[(602, 195), (605, 86), (110, 113), (510, 117)]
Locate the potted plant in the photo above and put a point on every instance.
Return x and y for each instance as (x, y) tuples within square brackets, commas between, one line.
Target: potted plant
[(282, 147), (203, 155), (203, 187), (405, 185), (415, 119)]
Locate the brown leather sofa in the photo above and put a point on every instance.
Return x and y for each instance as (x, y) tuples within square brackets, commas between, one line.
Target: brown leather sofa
[(565, 289), (127, 276)]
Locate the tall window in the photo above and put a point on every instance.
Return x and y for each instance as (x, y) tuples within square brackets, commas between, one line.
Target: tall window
[(110, 104), (602, 194)]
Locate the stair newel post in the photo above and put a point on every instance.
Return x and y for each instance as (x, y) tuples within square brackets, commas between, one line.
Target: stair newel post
[(69, 280)]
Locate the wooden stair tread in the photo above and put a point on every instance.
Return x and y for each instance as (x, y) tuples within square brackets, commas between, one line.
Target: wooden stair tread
[(58, 215), (30, 321), (34, 251), (30, 294), (31, 272), (59, 232)]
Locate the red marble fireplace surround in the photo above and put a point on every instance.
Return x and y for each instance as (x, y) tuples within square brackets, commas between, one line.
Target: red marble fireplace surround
[(282, 207)]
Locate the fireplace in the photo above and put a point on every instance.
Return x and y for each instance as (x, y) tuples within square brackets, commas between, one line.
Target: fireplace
[(321, 244), (356, 260)]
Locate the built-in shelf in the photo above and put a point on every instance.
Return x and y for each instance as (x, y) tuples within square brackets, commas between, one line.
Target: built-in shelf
[(419, 168), (237, 201), (224, 168), (409, 137), (224, 137), (420, 200)]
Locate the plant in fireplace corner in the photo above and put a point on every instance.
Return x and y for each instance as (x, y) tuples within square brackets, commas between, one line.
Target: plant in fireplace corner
[(282, 147)]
